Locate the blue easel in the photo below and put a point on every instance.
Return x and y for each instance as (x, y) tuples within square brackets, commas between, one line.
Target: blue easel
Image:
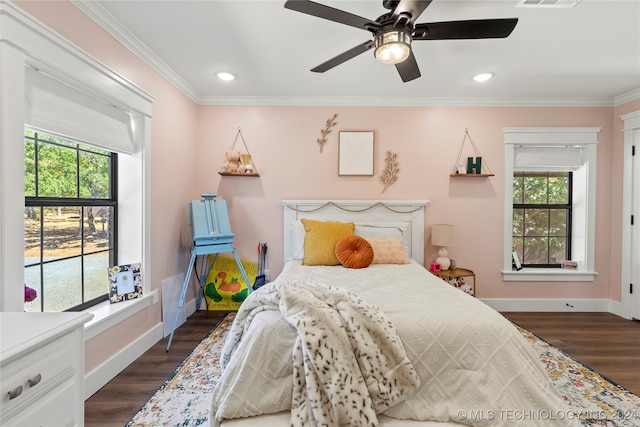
[(212, 234)]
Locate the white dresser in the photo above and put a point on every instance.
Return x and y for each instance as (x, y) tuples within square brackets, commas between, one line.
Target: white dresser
[(42, 369)]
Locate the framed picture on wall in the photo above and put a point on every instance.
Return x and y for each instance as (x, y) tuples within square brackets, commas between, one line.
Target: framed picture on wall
[(355, 153)]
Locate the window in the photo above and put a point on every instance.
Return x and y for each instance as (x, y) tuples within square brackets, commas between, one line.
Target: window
[(542, 217), (70, 222), (550, 199)]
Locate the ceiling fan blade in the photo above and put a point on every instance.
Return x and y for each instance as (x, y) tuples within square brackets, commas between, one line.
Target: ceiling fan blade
[(330, 13), (412, 7), (408, 69), (343, 57), (471, 29)]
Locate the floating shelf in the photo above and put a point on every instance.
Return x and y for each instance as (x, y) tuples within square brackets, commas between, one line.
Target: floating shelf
[(472, 175), (238, 174)]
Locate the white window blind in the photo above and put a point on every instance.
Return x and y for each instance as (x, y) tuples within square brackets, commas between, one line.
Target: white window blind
[(56, 107), (547, 158)]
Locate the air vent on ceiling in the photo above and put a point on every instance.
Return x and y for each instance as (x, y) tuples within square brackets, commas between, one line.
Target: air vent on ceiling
[(548, 3)]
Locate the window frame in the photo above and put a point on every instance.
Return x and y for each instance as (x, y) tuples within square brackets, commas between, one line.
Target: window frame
[(583, 208), (42, 202), (567, 207)]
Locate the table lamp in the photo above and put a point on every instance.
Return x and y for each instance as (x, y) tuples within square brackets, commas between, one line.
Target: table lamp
[(442, 235)]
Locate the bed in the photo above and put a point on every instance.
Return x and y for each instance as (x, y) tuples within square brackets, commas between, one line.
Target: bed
[(423, 352)]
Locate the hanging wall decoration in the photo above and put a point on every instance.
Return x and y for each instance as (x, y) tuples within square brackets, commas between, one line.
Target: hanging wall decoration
[(238, 162), (331, 122), (474, 166), (390, 173)]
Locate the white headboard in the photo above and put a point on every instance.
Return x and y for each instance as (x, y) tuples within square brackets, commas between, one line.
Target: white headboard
[(410, 212)]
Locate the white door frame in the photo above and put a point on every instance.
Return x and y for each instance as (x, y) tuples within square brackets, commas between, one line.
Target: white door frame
[(631, 206)]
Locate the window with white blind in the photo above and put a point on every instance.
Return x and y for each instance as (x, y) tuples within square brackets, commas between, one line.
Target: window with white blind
[(549, 217)]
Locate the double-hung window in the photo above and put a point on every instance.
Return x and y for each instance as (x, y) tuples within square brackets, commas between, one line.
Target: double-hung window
[(70, 222), (549, 216), (542, 218)]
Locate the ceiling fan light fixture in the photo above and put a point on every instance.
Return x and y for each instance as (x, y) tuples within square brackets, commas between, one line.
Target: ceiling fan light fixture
[(392, 47)]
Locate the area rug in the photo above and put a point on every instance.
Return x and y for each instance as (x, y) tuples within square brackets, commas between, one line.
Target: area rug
[(184, 399)]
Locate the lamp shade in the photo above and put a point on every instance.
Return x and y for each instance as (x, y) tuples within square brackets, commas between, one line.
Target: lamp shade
[(442, 235)]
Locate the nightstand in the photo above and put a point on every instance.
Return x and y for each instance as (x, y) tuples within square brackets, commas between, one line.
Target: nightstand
[(453, 277)]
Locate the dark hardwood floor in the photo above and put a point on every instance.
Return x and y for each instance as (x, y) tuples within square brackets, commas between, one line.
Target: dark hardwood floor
[(120, 399), (602, 341)]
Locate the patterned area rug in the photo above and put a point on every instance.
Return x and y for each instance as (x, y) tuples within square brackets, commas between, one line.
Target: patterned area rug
[(184, 399)]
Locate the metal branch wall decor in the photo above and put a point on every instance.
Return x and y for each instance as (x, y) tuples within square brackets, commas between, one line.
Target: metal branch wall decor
[(390, 173), (331, 122)]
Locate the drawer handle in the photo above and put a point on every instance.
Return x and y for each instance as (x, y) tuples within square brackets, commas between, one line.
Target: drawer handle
[(35, 380), (15, 392)]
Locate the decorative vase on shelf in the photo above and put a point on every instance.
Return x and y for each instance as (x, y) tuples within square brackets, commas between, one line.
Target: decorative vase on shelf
[(453, 264)]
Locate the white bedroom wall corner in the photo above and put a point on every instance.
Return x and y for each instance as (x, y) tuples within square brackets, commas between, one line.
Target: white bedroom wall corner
[(96, 379)]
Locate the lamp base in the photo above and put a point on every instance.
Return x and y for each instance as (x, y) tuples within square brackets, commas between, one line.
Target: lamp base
[(444, 262), (443, 258)]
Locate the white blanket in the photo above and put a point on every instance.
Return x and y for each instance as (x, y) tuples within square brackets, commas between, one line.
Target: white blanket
[(348, 363), (474, 367)]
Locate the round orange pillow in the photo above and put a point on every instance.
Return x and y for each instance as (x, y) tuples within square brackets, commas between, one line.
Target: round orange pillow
[(354, 251)]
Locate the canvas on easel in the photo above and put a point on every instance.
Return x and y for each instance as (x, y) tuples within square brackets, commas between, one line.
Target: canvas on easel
[(225, 288)]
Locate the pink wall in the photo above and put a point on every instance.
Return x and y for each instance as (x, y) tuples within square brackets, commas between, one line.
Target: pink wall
[(282, 141), (188, 144)]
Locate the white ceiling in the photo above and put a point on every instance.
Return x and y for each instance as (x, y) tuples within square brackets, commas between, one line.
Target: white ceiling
[(585, 55)]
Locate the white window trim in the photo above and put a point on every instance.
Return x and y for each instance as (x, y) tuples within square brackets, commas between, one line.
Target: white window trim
[(46, 49), (584, 228)]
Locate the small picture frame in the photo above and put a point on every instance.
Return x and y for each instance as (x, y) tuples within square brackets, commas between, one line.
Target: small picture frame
[(125, 282), (355, 153), (515, 260)]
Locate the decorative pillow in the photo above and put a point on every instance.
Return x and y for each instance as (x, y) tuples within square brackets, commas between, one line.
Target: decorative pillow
[(384, 229), (354, 252), (388, 251), (320, 240)]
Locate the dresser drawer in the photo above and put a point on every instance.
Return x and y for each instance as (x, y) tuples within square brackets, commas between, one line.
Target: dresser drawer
[(56, 409), (34, 374)]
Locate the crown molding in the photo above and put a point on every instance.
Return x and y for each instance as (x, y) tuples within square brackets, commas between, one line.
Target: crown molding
[(408, 102), (633, 95), (104, 19)]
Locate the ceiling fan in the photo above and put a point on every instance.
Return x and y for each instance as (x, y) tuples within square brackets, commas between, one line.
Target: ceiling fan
[(394, 31)]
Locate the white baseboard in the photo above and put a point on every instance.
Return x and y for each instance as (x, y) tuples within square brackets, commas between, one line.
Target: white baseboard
[(96, 379), (550, 305)]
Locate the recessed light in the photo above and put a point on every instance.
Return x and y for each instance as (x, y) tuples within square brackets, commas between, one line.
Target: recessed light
[(223, 75), (482, 77)]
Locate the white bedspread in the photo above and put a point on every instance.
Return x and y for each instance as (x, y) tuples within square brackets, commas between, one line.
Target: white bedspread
[(348, 362), (474, 367)]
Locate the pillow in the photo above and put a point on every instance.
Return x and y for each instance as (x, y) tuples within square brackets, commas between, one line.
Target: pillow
[(320, 240), (354, 252), (388, 251), (297, 239), (384, 229)]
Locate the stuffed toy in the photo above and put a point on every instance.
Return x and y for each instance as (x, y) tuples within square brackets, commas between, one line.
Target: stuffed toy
[(231, 163)]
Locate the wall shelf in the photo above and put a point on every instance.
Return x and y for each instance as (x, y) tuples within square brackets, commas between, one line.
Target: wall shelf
[(472, 175), (238, 174)]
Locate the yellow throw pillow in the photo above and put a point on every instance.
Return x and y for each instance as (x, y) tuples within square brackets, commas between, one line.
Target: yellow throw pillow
[(320, 240), (388, 251)]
